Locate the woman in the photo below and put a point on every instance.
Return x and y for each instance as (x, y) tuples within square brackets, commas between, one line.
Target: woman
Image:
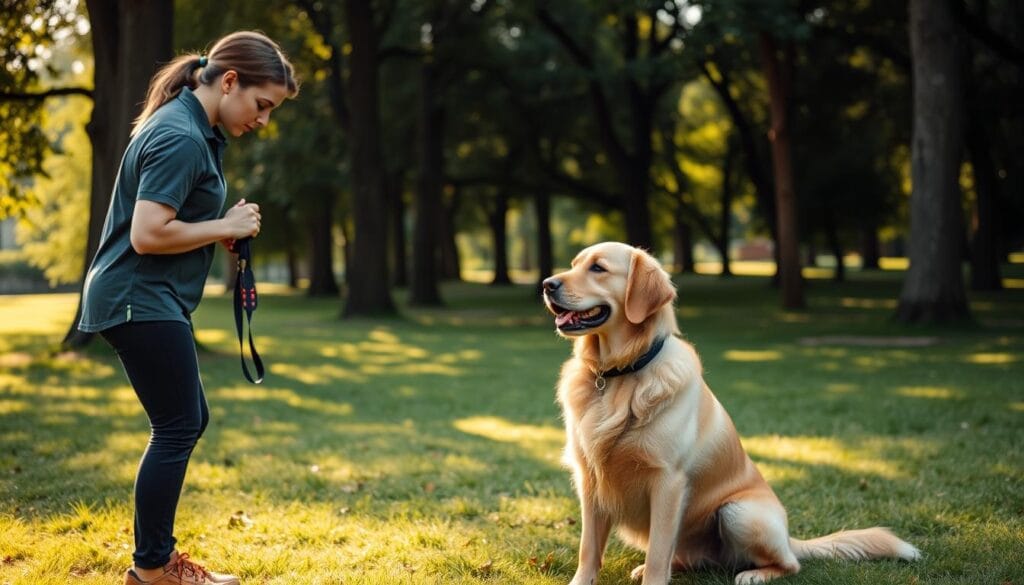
[(154, 256)]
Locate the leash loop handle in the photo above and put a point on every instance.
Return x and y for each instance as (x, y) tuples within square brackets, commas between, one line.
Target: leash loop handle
[(246, 302)]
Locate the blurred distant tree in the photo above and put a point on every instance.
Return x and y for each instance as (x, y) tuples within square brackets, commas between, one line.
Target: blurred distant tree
[(351, 34), (995, 80), (852, 100), (52, 233), (29, 32), (774, 28), (933, 288), (628, 63)]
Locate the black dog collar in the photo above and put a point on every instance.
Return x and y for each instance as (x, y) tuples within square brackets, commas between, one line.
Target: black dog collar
[(602, 377)]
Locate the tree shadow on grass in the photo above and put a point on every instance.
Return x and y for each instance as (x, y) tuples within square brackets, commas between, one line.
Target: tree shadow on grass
[(455, 424)]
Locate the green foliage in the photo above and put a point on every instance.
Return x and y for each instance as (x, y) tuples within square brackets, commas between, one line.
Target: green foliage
[(30, 33), (52, 232)]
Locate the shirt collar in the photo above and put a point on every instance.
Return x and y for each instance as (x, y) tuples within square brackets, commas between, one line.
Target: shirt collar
[(199, 115)]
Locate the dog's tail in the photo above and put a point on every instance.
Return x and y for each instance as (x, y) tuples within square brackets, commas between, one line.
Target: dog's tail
[(855, 545)]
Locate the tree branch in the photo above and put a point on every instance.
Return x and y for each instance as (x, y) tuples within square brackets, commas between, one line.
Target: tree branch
[(980, 30), (604, 116), (27, 96)]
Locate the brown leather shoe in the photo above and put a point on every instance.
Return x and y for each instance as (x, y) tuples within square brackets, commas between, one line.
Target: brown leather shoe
[(182, 571)]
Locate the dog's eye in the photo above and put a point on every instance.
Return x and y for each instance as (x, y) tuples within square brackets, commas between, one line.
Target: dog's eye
[(595, 267)]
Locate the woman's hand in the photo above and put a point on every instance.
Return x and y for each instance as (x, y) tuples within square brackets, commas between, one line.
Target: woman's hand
[(243, 220), (229, 243)]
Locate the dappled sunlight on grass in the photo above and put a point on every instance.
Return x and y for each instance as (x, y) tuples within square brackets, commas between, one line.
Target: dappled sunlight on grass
[(285, 397), (841, 388), (422, 368), (13, 406), (382, 352), (37, 314), (11, 381), (894, 263), (739, 355), (934, 392), (541, 442), (819, 451), (312, 375), (211, 336), (794, 318), (388, 452), (991, 358), (862, 303)]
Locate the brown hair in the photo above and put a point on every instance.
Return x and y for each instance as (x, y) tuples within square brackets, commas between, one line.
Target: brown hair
[(252, 55)]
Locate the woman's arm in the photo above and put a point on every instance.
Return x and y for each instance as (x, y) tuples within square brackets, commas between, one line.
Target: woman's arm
[(156, 229)]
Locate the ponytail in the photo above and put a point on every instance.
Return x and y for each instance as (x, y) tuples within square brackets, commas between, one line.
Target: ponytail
[(166, 84), (252, 55)]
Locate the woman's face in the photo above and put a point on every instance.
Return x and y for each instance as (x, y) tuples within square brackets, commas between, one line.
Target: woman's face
[(244, 109)]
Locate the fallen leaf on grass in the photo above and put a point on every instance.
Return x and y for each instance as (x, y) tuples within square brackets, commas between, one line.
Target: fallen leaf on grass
[(240, 520), (542, 567), (485, 569)]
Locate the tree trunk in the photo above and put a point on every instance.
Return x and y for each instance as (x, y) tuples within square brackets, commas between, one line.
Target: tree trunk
[(636, 168), (756, 168), (682, 245), (130, 39), (499, 235), (423, 289), (834, 246), (450, 265), (984, 254), (367, 275), (545, 256), (785, 196), (396, 206), (933, 289), (638, 215), (870, 250), (725, 213), (321, 250), (292, 260)]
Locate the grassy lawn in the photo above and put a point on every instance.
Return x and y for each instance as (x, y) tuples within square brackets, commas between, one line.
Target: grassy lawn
[(424, 449)]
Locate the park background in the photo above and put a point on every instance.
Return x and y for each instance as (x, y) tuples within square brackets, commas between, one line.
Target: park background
[(835, 186)]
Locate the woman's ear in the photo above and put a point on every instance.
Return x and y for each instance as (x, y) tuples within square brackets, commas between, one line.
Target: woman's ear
[(648, 288), (228, 81)]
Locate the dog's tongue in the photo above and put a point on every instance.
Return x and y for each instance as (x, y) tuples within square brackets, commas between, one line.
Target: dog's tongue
[(564, 318)]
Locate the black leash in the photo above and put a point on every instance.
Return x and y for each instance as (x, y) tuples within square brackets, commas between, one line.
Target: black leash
[(245, 299)]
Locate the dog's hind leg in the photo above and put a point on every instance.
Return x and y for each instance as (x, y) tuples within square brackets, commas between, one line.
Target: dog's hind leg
[(754, 532)]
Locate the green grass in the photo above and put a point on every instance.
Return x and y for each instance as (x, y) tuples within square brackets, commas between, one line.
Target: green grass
[(424, 449)]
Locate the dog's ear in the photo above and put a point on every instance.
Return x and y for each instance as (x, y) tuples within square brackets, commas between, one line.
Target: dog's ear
[(648, 288)]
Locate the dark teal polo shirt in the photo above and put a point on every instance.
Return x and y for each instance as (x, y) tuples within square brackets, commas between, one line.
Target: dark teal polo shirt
[(174, 159)]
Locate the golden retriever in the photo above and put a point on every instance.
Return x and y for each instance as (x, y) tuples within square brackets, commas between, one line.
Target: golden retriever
[(651, 449)]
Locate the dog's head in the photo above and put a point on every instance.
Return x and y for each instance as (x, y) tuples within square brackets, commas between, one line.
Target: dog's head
[(609, 285)]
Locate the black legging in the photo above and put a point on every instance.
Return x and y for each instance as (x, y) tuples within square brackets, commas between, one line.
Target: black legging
[(160, 360)]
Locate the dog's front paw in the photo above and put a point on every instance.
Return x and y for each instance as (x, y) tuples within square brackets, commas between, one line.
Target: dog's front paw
[(637, 573), (584, 578)]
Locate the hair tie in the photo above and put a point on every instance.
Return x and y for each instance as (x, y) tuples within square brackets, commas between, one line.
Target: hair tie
[(203, 61)]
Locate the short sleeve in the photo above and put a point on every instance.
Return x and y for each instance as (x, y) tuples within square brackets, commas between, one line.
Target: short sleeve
[(170, 168)]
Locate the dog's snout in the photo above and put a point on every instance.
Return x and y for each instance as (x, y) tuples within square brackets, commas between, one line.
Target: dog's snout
[(552, 284)]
